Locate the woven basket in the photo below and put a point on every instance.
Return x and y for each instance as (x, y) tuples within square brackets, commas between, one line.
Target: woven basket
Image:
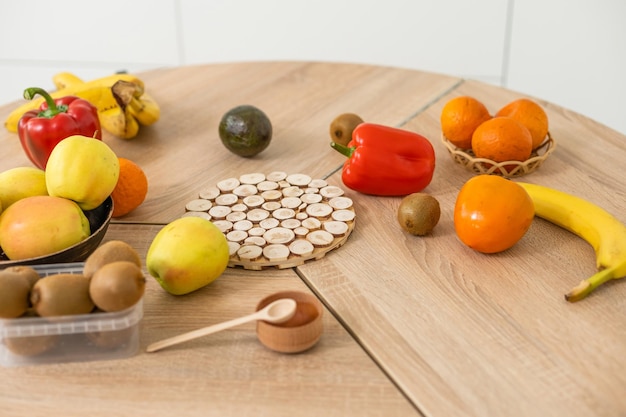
[(509, 169)]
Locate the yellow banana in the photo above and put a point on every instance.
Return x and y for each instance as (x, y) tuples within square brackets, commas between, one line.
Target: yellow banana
[(119, 122), (605, 233), (68, 81), (113, 111), (145, 109), (65, 79), (139, 107), (142, 106)]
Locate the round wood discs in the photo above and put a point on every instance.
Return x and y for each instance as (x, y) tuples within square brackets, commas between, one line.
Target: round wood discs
[(276, 220)]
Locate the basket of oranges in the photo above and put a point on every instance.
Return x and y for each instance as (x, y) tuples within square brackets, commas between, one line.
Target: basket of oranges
[(512, 143)]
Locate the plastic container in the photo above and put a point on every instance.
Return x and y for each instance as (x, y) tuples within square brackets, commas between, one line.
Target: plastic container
[(77, 338)]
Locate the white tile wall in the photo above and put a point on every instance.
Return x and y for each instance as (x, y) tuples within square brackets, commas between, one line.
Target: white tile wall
[(570, 52)]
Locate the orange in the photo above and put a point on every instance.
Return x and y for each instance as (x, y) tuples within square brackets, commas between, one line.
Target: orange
[(491, 213), (531, 115), (502, 139), (131, 188), (460, 117)]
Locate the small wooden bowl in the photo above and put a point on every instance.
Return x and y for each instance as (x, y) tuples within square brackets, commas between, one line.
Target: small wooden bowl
[(299, 333), (99, 219)]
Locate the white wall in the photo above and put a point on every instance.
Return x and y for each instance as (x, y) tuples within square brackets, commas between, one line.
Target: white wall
[(569, 52)]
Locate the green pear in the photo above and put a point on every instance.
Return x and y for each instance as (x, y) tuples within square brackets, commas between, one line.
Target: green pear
[(41, 225), (21, 182), (82, 169), (187, 254)]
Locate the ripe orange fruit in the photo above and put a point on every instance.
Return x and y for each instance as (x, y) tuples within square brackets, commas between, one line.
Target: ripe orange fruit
[(460, 117), (491, 213), (131, 188), (502, 139), (531, 115)]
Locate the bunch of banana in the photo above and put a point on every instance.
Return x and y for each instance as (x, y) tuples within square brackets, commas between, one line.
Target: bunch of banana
[(120, 99), (605, 233)]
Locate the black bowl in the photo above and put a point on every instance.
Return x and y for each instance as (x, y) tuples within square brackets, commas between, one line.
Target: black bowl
[(99, 219)]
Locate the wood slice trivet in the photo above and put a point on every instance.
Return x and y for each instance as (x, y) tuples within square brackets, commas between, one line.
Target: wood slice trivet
[(276, 220)]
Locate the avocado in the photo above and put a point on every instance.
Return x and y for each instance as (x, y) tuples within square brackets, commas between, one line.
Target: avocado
[(245, 130)]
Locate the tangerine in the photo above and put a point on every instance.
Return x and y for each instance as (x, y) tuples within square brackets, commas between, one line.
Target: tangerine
[(531, 115), (492, 213), (459, 118), (131, 188), (502, 139)]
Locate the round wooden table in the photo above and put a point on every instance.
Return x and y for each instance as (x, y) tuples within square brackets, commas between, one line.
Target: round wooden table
[(413, 326)]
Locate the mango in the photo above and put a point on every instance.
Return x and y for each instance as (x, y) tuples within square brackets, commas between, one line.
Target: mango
[(187, 254), (41, 225), (21, 182), (82, 169)]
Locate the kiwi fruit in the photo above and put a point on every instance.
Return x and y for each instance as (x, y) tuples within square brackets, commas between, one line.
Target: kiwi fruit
[(419, 213), (245, 130), (31, 345), (27, 272), (342, 126), (61, 294), (111, 251), (14, 294), (117, 286)]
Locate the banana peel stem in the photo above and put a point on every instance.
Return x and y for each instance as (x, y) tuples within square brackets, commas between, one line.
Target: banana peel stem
[(586, 286)]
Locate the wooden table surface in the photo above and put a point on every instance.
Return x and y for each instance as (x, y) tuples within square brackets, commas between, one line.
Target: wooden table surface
[(413, 326)]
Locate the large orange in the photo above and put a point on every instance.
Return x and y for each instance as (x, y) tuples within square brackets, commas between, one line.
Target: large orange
[(131, 188), (460, 117), (502, 139), (491, 213), (531, 115)]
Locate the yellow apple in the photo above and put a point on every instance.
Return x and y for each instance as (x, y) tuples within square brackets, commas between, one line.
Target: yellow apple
[(21, 182), (82, 169), (187, 254), (41, 225)]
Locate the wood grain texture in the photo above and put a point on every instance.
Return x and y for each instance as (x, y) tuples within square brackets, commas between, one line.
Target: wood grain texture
[(182, 153), (463, 333), (226, 374), (457, 333)]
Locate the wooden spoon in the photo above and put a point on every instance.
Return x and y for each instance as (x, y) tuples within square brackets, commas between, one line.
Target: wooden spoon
[(278, 311)]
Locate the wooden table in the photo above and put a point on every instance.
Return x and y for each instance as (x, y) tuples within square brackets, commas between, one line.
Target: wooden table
[(413, 326)]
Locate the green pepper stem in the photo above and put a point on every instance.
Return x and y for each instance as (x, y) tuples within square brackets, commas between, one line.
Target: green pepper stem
[(344, 150), (52, 110)]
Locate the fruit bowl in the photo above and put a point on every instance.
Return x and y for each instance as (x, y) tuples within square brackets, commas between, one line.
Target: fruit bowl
[(508, 169), (99, 219)]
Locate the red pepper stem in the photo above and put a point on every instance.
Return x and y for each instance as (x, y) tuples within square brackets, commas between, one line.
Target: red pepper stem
[(344, 150), (52, 110)]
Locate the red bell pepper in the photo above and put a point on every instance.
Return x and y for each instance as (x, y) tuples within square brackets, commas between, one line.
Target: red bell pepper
[(387, 161), (40, 130)]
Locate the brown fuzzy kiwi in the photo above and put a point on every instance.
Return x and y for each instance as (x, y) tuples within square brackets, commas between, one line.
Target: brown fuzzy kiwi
[(27, 272), (117, 286), (342, 126), (31, 345), (14, 293), (419, 213), (61, 294), (111, 251)]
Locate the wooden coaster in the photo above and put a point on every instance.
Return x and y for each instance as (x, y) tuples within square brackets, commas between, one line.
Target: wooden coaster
[(276, 220)]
